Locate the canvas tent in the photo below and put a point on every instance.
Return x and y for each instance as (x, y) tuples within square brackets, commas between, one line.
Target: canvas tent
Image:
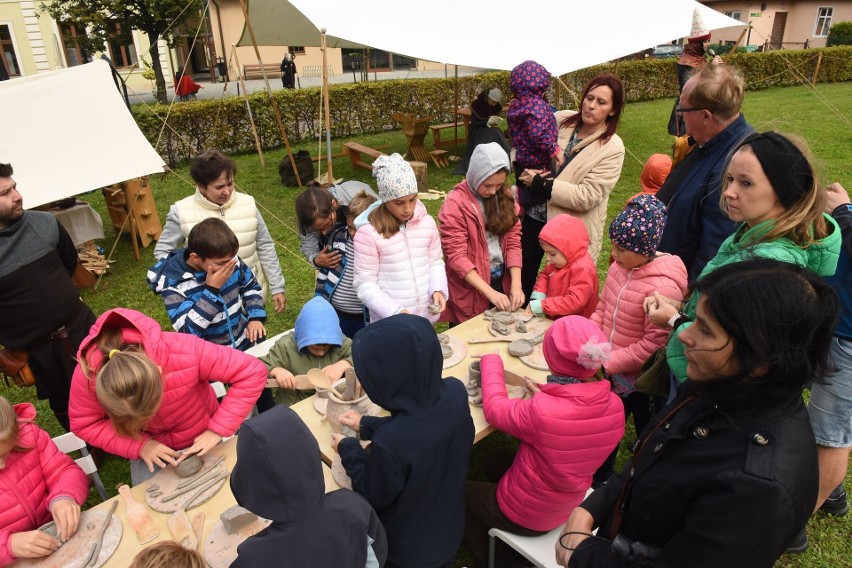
[(68, 132), (562, 36)]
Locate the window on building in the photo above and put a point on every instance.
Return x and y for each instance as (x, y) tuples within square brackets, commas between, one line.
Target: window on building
[(297, 49), (74, 54), (9, 65), (121, 50), (735, 15), (823, 21)]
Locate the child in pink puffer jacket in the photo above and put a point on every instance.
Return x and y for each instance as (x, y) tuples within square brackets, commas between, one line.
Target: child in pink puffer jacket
[(37, 483), (637, 272), (566, 430), (399, 267)]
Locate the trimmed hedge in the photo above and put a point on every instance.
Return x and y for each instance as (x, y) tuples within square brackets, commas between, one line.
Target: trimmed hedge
[(365, 108)]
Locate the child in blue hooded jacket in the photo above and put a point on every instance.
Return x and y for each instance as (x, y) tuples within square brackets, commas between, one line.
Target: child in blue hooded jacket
[(316, 342)]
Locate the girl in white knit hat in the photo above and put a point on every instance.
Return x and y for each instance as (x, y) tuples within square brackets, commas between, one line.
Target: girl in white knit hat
[(398, 262)]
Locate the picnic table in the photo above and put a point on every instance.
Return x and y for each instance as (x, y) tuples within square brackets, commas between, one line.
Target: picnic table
[(473, 328), (224, 499)]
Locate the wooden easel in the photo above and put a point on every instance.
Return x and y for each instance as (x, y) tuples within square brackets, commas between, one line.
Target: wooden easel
[(132, 203)]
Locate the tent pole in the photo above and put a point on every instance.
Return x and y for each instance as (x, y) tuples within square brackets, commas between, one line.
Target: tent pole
[(455, 112), (272, 100), (330, 176), (248, 107)]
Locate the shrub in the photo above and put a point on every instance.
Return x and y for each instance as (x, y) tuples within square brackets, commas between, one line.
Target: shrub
[(839, 34)]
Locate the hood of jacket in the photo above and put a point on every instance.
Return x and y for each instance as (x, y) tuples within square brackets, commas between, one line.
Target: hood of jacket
[(137, 328), (399, 363), (317, 323), (282, 482), (568, 235), (529, 79), (486, 160), (170, 271), (24, 411)]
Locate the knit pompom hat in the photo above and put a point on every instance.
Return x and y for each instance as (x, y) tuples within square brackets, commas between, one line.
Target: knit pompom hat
[(575, 347), (639, 227), (394, 177)]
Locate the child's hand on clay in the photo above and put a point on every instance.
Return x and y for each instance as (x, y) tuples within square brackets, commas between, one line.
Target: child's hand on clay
[(203, 443), (336, 370), (153, 452), (66, 515), (351, 419), (439, 300), (255, 331), (283, 377), (335, 439), (32, 544), (531, 386)]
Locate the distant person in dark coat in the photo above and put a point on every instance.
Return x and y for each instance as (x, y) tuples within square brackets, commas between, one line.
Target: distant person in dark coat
[(288, 72), (414, 472), (484, 125)]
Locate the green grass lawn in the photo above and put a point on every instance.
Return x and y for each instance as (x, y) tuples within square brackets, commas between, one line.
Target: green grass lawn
[(820, 116)]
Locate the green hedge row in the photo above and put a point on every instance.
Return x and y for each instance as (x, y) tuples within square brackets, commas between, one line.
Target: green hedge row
[(365, 108)]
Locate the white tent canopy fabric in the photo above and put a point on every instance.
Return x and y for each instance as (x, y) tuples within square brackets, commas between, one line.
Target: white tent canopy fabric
[(562, 36), (68, 132)]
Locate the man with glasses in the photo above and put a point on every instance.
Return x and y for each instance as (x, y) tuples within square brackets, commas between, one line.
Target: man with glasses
[(710, 105)]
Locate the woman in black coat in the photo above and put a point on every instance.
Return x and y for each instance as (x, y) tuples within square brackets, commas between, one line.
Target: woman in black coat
[(725, 475)]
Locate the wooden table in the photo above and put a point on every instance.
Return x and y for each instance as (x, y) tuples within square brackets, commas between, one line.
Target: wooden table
[(129, 546), (474, 328)]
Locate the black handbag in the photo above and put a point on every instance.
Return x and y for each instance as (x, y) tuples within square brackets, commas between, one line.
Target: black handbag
[(653, 378)]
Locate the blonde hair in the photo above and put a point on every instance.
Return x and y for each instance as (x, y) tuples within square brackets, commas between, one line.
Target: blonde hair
[(803, 222), (10, 425), (129, 387), (719, 89), (168, 554), (359, 203), (384, 221)]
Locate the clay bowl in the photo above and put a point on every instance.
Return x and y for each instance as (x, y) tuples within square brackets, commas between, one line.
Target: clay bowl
[(337, 406), (521, 347), (190, 466)]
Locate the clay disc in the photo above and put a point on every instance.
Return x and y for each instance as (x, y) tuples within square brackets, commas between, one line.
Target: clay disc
[(72, 553), (459, 352), (320, 405), (535, 359), (338, 472), (521, 347), (220, 548), (168, 481)]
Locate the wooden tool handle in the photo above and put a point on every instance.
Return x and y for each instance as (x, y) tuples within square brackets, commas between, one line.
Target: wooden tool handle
[(124, 490), (491, 339)]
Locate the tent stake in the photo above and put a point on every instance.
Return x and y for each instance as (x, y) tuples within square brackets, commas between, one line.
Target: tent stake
[(272, 100), (248, 107)]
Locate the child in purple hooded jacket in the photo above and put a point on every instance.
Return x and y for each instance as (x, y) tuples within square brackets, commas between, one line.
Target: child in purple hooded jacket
[(532, 124)]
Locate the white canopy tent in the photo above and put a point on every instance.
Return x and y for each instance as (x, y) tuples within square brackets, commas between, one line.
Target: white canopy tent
[(68, 132), (562, 36)]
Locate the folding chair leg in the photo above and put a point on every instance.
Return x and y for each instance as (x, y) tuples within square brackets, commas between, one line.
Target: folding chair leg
[(99, 485), (491, 551)]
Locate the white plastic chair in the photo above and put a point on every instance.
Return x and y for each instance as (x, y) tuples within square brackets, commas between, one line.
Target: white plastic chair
[(68, 443), (540, 550)]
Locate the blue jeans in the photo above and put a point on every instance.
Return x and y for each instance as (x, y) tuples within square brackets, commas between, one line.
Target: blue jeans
[(830, 406)]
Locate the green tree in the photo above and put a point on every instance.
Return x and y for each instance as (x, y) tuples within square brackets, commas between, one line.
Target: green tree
[(106, 20), (839, 34)]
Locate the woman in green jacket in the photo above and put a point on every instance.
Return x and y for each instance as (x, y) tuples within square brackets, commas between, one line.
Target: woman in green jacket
[(769, 187)]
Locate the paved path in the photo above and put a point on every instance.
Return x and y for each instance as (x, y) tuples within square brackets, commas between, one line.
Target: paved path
[(215, 90)]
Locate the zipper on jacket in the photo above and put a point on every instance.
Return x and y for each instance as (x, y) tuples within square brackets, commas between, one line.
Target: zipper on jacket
[(617, 302)]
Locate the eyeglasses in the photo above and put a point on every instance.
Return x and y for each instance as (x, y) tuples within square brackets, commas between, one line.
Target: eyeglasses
[(680, 110)]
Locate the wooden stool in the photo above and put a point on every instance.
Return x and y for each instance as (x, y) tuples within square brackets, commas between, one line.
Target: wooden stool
[(439, 158)]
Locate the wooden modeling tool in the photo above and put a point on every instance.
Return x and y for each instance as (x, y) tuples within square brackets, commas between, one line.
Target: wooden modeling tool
[(138, 517)]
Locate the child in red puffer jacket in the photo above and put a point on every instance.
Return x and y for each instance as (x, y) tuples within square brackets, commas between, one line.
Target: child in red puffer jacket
[(37, 483)]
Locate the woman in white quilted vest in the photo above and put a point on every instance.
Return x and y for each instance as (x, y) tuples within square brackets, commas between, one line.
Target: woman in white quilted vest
[(213, 173)]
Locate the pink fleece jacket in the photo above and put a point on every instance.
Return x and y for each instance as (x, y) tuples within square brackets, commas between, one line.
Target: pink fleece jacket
[(32, 479), (621, 313), (188, 405), (566, 433), (466, 248)]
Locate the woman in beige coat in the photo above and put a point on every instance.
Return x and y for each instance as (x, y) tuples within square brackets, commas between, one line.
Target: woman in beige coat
[(593, 157)]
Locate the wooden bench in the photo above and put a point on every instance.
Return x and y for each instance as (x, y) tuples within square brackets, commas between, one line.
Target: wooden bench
[(355, 150), (436, 134), (273, 71)]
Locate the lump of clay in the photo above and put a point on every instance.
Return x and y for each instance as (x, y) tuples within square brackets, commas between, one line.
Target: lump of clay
[(521, 327), (500, 328), (446, 351), (444, 339), (489, 313), (434, 309), (235, 518), (506, 318), (189, 466), (521, 347)]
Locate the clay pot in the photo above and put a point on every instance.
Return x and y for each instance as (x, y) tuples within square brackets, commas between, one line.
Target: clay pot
[(337, 406), (190, 466), (474, 374)]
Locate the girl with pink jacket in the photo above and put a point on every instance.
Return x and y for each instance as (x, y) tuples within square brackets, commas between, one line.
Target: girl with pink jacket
[(398, 263), (37, 483), (637, 271), (566, 430), (481, 238), (143, 394)]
